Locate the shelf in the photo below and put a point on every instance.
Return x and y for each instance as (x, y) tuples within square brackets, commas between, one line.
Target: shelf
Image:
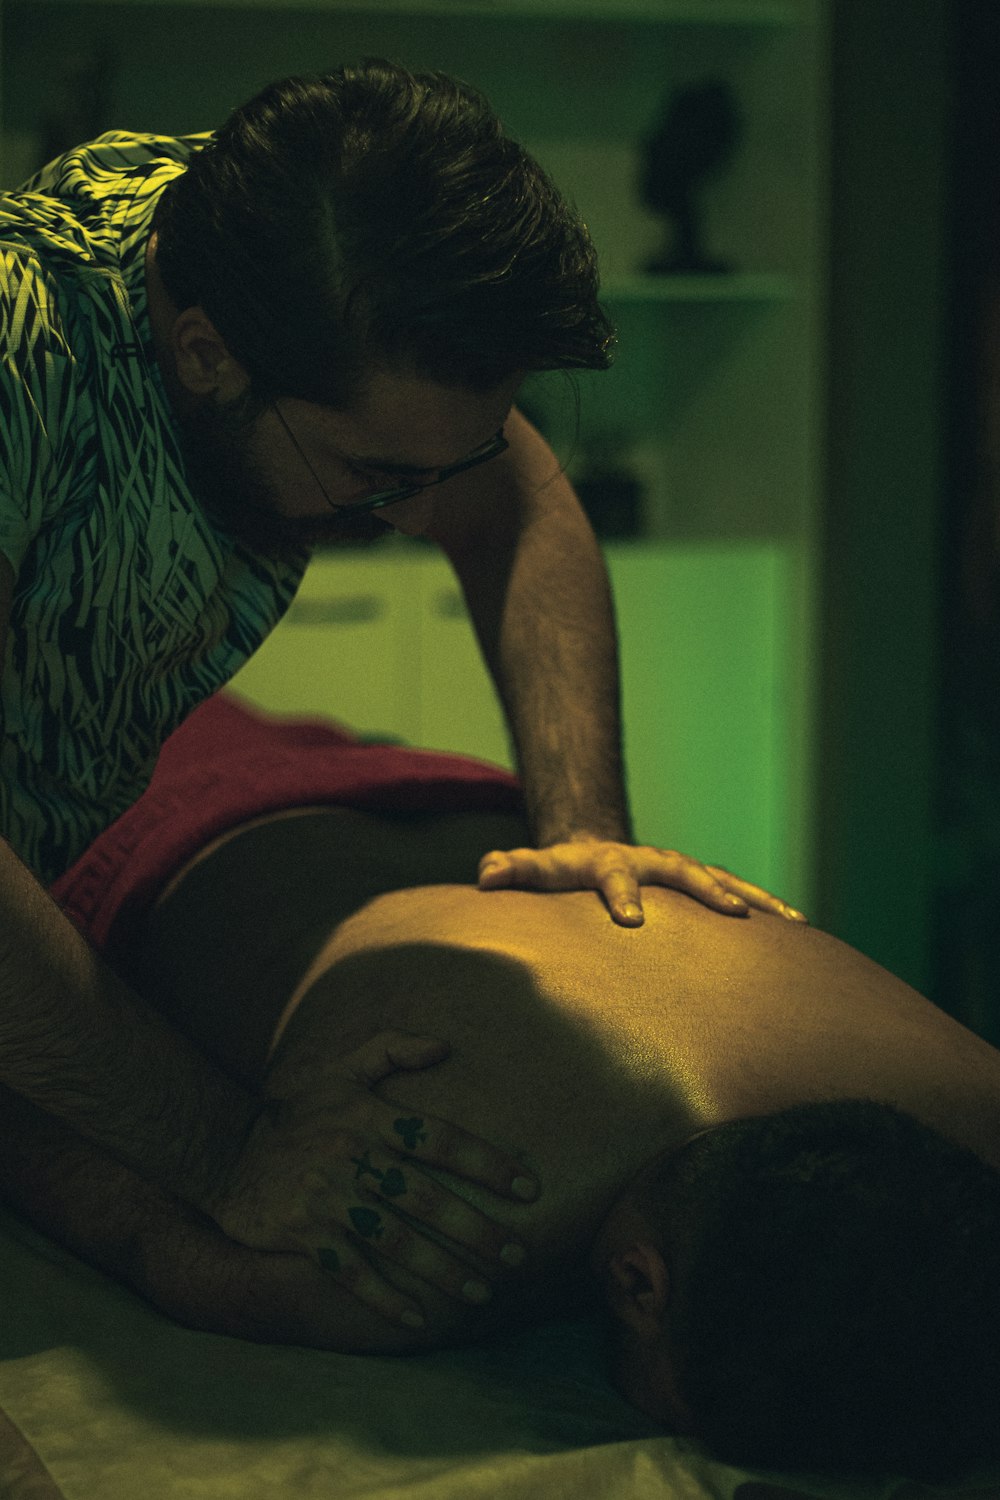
[(666, 12), (749, 287)]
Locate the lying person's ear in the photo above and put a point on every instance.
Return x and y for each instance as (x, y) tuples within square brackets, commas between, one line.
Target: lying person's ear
[(638, 1288), (643, 1366)]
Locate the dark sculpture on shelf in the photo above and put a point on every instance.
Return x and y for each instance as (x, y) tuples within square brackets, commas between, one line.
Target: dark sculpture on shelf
[(694, 141)]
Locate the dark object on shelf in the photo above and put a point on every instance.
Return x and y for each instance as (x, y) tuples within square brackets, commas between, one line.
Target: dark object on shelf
[(694, 141)]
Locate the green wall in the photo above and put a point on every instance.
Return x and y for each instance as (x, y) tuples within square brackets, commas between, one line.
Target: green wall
[(886, 434)]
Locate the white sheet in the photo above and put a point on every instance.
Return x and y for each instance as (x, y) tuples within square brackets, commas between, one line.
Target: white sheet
[(120, 1404)]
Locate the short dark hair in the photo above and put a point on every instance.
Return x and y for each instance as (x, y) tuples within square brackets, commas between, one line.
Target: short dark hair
[(837, 1302), (376, 216)]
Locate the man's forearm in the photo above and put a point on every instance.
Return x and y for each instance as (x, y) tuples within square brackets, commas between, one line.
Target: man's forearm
[(168, 1252), (556, 667), (538, 592), (78, 1195), (78, 1043)]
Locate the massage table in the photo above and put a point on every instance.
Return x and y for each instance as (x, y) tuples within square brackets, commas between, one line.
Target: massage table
[(104, 1398)]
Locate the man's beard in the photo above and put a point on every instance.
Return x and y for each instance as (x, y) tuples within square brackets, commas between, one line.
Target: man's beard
[(236, 497)]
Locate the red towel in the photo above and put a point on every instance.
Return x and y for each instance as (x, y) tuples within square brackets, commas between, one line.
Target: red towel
[(227, 764)]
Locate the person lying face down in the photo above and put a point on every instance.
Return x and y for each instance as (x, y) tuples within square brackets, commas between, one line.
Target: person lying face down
[(769, 1165)]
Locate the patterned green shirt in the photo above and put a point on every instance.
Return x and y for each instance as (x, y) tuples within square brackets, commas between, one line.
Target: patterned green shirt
[(129, 607)]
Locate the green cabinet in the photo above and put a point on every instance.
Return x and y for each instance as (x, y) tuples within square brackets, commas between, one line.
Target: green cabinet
[(383, 644)]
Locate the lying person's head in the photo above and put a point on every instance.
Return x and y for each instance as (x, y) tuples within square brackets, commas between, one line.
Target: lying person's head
[(814, 1291)]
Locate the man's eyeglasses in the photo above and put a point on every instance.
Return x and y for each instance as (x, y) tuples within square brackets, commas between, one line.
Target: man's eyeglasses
[(490, 449)]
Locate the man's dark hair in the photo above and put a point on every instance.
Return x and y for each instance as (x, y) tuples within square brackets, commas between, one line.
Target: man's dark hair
[(837, 1294), (375, 216)]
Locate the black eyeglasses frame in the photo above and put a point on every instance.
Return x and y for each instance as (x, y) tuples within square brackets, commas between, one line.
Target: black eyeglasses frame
[(492, 449)]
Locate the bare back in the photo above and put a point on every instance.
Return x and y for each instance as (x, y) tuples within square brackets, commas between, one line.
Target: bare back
[(577, 1041), (584, 1047)]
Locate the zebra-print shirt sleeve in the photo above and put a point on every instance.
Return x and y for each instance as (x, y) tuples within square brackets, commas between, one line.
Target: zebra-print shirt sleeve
[(130, 606)]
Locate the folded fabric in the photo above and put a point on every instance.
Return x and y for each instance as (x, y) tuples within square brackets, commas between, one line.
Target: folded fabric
[(227, 764)]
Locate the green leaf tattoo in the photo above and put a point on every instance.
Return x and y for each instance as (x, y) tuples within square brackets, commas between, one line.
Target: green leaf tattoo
[(412, 1131), (367, 1222), (328, 1259)]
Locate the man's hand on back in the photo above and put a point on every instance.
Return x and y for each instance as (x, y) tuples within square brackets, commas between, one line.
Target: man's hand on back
[(618, 870)]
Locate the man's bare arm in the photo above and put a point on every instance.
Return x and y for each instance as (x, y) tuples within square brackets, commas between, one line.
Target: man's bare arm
[(78, 1195), (76, 1041), (111, 1217), (169, 1253), (538, 593), (82, 1046)]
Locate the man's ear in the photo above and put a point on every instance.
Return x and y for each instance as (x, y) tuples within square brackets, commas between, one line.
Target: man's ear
[(639, 1288), (204, 364)]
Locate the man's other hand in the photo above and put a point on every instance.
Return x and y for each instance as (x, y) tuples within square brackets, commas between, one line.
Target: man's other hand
[(324, 1176)]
